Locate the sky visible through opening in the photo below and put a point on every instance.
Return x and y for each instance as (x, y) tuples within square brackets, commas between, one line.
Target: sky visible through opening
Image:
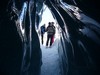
[(46, 18)]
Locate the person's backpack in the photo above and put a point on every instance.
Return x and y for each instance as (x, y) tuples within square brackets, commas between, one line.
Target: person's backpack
[(51, 30), (42, 29)]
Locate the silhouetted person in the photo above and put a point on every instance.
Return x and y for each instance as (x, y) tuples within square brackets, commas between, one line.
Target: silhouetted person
[(50, 33), (42, 32)]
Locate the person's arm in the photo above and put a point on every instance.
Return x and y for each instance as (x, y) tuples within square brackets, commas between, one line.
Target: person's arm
[(46, 29), (54, 29)]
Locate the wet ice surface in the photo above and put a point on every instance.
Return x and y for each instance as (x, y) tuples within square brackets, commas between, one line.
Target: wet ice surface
[(50, 60)]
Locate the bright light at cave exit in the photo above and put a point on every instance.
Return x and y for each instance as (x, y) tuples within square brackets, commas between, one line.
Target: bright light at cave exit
[(46, 18)]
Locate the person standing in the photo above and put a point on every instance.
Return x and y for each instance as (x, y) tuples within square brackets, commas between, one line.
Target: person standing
[(50, 33), (42, 32)]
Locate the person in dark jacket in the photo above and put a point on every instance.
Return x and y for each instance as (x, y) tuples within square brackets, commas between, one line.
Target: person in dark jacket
[(42, 32), (50, 33)]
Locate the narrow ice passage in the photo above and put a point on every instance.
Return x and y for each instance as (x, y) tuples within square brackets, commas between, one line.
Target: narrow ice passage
[(50, 57), (50, 60)]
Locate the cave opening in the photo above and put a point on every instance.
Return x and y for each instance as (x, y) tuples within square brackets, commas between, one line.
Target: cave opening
[(50, 55)]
